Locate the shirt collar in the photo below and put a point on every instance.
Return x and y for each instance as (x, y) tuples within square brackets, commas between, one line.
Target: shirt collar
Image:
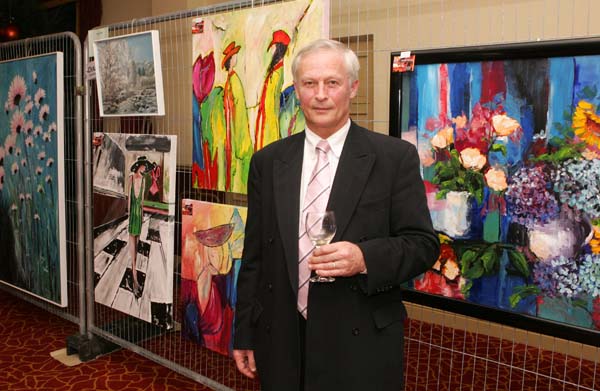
[(336, 140)]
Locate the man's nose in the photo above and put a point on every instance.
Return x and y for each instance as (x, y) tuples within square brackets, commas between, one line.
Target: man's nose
[(321, 91)]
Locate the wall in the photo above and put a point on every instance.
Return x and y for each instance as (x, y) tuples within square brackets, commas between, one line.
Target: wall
[(413, 24)]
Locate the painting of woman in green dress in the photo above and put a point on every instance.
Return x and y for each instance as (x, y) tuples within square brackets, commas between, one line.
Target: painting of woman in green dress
[(139, 171)]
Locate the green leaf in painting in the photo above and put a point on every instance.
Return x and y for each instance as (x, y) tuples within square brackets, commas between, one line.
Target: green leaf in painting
[(589, 93), (519, 261), (490, 259), (499, 148), (475, 271), (580, 303), (441, 194), (467, 258), (521, 292)]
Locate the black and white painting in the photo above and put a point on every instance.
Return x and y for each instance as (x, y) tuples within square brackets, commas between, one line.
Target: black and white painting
[(134, 217)]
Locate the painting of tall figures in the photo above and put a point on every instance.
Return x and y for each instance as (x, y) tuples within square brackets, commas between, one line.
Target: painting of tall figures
[(242, 87), (32, 206), (129, 75), (212, 239), (134, 209), (509, 143)]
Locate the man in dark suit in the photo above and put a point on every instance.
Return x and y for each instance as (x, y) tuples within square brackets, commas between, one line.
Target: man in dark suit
[(351, 336)]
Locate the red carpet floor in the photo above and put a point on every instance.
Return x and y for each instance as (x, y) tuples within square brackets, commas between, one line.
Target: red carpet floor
[(27, 337), (438, 358)]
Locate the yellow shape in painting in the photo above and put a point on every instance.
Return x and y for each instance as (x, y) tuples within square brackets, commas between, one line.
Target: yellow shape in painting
[(586, 123)]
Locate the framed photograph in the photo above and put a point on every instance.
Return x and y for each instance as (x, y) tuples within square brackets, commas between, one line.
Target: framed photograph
[(509, 141), (129, 75), (33, 240)]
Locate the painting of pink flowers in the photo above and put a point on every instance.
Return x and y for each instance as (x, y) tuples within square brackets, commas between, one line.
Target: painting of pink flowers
[(32, 217), (510, 157)]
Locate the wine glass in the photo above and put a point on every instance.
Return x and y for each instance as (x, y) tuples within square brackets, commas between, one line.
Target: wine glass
[(320, 228)]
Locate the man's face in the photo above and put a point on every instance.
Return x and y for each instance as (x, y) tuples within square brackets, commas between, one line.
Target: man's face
[(324, 90)]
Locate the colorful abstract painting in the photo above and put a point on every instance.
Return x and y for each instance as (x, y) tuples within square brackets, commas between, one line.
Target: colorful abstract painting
[(134, 219), (510, 154), (32, 205), (243, 96), (212, 238)]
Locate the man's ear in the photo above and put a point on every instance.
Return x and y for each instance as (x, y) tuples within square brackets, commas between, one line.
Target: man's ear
[(354, 89)]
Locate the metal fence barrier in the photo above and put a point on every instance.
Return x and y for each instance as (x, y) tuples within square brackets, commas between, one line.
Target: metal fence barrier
[(69, 44), (166, 347)]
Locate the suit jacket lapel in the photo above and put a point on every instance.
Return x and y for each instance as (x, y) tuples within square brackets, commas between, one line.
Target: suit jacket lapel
[(351, 177), (287, 174)]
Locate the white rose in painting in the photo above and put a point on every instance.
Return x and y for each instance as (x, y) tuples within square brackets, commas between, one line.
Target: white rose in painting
[(472, 159), (443, 138), (496, 179), (504, 125)]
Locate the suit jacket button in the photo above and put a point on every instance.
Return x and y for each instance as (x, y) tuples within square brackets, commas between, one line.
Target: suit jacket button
[(353, 287), (268, 329), (270, 287), (270, 240), (355, 331)]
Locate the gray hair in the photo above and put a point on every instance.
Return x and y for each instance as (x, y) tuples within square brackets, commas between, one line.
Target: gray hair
[(350, 59)]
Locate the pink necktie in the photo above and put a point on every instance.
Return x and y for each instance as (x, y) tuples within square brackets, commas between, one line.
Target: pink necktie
[(315, 200)]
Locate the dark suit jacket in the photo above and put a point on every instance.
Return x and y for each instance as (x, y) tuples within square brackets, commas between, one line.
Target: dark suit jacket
[(354, 336)]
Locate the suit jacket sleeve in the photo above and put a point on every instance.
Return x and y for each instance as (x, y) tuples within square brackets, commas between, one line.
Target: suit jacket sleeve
[(412, 245), (248, 278)]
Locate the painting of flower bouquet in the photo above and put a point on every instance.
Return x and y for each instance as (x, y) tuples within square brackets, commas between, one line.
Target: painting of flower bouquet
[(510, 156), (32, 206)]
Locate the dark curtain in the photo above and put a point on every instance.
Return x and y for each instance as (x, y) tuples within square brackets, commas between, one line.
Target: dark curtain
[(90, 16)]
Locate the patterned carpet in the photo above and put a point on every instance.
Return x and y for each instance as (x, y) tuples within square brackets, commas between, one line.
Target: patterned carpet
[(441, 358), (27, 337), (437, 357)]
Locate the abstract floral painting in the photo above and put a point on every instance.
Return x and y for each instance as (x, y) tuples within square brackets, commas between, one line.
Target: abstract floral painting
[(129, 75), (510, 155), (212, 239), (134, 219), (32, 205), (242, 89)]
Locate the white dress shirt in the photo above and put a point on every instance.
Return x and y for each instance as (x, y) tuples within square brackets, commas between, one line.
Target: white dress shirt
[(336, 142)]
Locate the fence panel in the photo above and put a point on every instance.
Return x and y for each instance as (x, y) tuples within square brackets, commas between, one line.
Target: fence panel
[(70, 46)]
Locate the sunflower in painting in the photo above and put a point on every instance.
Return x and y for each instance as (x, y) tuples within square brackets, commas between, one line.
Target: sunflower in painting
[(586, 123)]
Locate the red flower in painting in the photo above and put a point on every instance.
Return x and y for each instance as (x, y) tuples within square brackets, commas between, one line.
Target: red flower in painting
[(444, 279), (434, 282), (478, 134)]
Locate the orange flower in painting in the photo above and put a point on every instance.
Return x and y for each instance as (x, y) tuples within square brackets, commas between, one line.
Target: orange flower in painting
[(496, 179), (590, 154), (443, 138), (460, 121), (426, 158), (451, 270), (504, 125), (586, 123), (595, 241), (445, 278), (472, 159)]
